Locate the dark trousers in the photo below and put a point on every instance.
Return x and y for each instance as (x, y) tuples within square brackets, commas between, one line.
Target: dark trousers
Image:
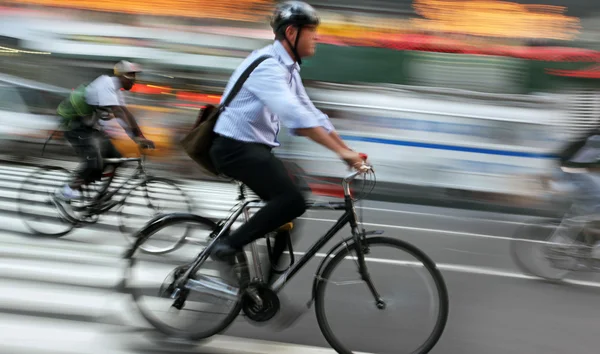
[(257, 167), (91, 146)]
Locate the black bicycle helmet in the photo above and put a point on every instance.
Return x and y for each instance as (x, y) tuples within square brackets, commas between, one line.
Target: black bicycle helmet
[(293, 13)]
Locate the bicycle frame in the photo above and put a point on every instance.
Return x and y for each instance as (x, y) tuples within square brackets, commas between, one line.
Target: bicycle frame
[(103, 202), (349, 217), (210, 285)]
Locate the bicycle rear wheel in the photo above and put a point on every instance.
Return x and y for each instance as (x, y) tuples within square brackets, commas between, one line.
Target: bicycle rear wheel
[(149, 277), (34, 204), (397, 263)]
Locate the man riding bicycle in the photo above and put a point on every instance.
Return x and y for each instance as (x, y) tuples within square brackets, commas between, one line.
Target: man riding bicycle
[(83, 114), (247, 129)]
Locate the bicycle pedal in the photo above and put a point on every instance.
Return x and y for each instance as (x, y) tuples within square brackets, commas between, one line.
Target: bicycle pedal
[(178, 305)]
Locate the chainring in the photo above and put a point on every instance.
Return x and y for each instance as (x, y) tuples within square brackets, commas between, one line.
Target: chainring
[(270, 303)]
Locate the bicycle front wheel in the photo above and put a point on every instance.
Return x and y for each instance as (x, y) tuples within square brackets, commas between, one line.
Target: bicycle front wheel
[(153, 197), (536, 253), (414, 315)]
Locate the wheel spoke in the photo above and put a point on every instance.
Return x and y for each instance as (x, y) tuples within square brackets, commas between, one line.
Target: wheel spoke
[(380, 305)]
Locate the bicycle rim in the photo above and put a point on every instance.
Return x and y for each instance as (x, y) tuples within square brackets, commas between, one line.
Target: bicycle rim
[(34, 206), (153, 198), (352, 289)]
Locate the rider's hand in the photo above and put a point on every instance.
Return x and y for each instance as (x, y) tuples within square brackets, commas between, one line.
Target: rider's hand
[(145, 143), (352, 158)]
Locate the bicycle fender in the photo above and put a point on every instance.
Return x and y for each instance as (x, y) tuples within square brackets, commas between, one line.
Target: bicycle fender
[(159, 222)]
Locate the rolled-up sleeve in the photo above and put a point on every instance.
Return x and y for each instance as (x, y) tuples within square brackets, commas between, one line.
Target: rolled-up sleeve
[(322, 117), (269, 82)]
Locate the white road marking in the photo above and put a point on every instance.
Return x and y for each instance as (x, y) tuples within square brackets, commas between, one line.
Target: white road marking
[(475, 253), (252, 346), (438, 231), (69, 337), (442, 216), (459, 268)]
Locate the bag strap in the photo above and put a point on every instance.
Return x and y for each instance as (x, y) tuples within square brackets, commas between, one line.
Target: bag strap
[(242, 79)]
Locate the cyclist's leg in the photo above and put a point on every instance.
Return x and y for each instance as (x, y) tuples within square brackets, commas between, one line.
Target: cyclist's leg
[(255, 166), (282, 237), (108, 150), (84, 142)]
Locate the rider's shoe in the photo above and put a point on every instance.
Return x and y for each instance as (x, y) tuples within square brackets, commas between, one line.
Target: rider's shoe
[(62, 198), (231, 272), (223, 252)]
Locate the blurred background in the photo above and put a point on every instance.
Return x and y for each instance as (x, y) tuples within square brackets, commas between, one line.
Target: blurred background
[(458, 103), (465, 95)]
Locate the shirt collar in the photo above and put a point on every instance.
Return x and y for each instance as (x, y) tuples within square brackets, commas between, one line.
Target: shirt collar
[(284, 56)]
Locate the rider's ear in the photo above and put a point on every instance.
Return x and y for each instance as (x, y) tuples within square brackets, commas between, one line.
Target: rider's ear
[(291, 32)]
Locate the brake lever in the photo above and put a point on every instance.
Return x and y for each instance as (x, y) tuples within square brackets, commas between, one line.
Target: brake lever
[(364, 157)]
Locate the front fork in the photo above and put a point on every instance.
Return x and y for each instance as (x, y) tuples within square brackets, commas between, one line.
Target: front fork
[(354, 241), (362, 248)]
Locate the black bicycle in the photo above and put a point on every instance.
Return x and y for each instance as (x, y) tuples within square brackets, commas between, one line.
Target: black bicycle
[(221, 297), (136, 191)]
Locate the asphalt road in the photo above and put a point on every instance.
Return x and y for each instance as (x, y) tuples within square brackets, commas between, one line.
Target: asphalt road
[(61, 295)]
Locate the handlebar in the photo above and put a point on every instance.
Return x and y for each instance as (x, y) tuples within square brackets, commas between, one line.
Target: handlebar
[(362, 169), (128, 159), (121, 160)]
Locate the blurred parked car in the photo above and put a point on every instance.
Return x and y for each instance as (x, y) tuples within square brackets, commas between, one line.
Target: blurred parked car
[(27, 108)]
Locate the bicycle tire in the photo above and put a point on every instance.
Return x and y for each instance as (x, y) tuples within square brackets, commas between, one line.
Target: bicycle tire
[(165, 328), (23, 205), (516, 247), (180, 239), (436, 275)]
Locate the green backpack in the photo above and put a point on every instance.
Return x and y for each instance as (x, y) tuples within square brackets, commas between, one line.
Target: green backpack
[(74, 106)]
